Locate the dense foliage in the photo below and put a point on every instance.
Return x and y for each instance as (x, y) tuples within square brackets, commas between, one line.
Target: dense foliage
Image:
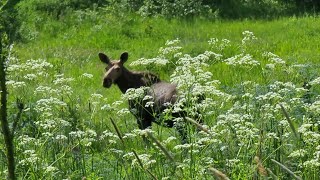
[(180, 8)]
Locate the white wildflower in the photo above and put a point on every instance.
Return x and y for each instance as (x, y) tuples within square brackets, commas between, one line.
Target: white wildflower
[(61, 137), (62, 80), (107, 134), (170, 139), (143, 132), (315, 81), (106, 107), (298, 153), (30, 77), (242, 60), (304, 128), (145, 160), (232, 162), (129, 135), (87, 75), (313, 163), (149, 104), (125, 111), (272, 135), (273, 58), (182, 146), (129, 155), (77, 134), (315, 107), (50, 169), (248, 37), (270, 66), (15, 84), (147, 97), (219, 44), (172, 42)]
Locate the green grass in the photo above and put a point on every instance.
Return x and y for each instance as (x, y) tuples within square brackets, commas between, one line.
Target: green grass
[(293, 39), (71, 45)]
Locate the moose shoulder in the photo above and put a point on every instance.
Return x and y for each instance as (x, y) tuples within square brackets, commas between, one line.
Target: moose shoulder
[(161, 93)]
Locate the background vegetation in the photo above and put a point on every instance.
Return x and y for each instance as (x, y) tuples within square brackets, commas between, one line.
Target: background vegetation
[(256, 61)]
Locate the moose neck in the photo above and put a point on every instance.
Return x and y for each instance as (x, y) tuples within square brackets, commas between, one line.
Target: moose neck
[(130, 79)]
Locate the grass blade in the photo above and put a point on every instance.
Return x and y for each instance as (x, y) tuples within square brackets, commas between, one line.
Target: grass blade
[(199, 126), (287, 169), (140, 163), (289, 120), (163, 149), (272, 174), (117, 131)]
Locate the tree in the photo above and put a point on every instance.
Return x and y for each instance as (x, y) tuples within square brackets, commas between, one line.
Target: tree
[(6, 37)]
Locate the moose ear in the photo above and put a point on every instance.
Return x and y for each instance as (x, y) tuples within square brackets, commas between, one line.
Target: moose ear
[(124, 57), (104, 58)]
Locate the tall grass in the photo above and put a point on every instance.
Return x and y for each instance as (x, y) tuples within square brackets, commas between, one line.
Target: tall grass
[(250, 71)]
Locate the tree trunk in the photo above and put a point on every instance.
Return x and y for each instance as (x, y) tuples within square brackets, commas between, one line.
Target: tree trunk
[(8, 139)]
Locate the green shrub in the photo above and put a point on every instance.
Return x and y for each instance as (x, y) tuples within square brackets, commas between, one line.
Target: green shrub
[(58, 8), (168, 8), (211, 8)]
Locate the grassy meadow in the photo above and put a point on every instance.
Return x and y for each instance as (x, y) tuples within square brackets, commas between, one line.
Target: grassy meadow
[(261, 111)]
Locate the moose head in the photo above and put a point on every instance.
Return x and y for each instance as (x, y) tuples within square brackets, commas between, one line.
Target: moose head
[(114, 69)]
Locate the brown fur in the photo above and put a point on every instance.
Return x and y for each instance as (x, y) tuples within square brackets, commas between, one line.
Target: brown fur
[(131, 79), (162, 92)]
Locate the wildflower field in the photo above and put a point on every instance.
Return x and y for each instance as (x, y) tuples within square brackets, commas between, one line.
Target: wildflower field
[(260, 80)]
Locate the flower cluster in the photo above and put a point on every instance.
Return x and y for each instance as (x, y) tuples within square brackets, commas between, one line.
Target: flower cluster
[(170, 50), (243, 60), (50, 118), (273, 60), (219, 45), (248, 37)]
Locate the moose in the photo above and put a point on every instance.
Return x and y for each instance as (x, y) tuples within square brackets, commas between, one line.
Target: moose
[(162, 93)]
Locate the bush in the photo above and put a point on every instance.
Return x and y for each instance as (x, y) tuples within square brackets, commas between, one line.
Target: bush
[(169, 8), (208, 8), (57, 8), (247, 8)]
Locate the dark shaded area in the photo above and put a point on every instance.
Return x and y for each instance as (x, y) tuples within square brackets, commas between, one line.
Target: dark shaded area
[(236, 9), (8, 21), (231, 9)]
